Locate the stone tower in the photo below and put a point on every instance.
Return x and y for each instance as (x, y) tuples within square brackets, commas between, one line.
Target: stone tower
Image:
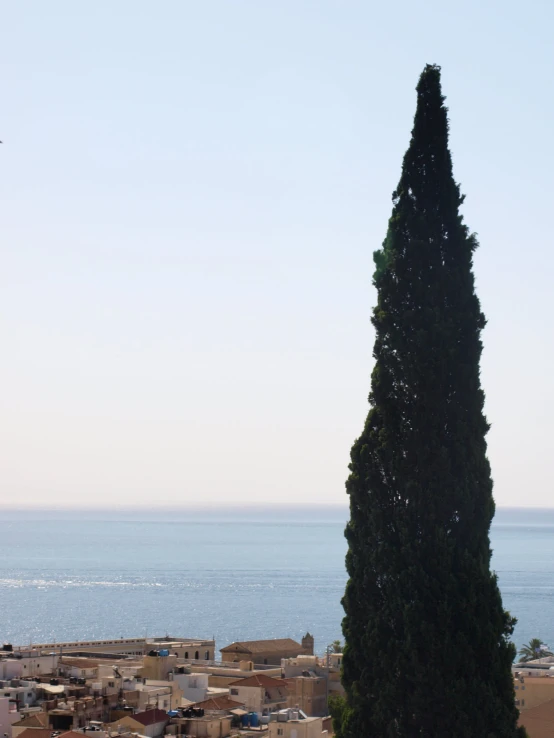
[(308, 644)]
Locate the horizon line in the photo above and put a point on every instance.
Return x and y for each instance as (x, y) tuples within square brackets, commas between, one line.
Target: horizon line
[(183, 507)]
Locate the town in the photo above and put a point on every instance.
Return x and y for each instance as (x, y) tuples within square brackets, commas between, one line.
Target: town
[(167, 686)]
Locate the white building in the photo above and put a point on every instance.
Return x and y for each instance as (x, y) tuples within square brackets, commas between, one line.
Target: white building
[(295, 724), (20, 692), (26, 663), (8, 716), (194, 686)]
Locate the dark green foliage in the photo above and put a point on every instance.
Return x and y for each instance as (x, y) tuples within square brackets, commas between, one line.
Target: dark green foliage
[(427, 640), (337, 709)]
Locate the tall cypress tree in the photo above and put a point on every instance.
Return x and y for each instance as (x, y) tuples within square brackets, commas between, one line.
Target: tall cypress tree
[(427, 639)]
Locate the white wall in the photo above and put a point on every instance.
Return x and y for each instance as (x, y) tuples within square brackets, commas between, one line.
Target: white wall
[(31, 664), (193, 686), (7, 717), (26, 694), (250, 696), (11, 669)]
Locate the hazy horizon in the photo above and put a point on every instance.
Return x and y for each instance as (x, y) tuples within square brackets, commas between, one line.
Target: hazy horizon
[(192, 195)]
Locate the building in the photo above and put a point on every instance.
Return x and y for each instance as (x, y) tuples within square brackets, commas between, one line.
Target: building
[(221, 675), (20, 692), (327, 668), (271, 651), (188, 648), (295, 724), (8, 716), (71, 714), (160, 694), (36, 733), (207, 726), (220, 704), (309, 694), (151, 723), (533, 691), (539, 721), (193, 685), (25, 663), (260, 694), (36, 721)]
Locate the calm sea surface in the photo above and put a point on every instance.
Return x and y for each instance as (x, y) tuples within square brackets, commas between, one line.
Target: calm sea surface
[(235, 574)]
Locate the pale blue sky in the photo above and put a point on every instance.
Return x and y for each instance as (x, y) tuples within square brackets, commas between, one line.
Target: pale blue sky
[(191, 193)]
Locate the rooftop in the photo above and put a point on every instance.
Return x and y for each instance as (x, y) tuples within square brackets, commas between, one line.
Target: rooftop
[(218, 704), (36, 733), (38, 720), (272, 645), (150, 717), (539, 720), (259, 680)]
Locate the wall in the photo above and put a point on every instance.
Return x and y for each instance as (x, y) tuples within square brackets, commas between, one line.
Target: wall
[(8, 716), (11, 669), (533, 691), (250, 697), (311, 728), (309, 694), (24, 695), (133, 725), (267, 657), (211, 728), (158, 667), (193, 686), (28, 666)]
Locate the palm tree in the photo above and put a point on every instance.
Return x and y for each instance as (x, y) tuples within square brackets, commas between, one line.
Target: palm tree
[(533, 650), (337, 647)]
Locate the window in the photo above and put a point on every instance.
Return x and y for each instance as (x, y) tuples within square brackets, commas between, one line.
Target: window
[(523, 686), (197, 655), (111, 684), (186, 654), (207, 655), (522, 702), (280, 731), (234, 691)]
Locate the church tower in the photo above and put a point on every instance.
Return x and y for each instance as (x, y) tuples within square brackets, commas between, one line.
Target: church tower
[(308, 644)]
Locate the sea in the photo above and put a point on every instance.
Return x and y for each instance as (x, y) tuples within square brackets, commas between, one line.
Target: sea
[(233, 574)]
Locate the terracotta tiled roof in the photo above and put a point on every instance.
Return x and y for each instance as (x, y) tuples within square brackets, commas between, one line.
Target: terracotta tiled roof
[(36, 733), (38, 720), (274, 645), (259, 680), (219, 703), (539, 720), (150, 717)]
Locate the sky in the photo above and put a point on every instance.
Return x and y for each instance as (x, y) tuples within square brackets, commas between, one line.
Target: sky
[(191, 193)]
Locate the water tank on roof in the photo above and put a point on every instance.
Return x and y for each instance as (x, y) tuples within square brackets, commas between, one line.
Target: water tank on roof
[(163, 652), (254, 721)]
